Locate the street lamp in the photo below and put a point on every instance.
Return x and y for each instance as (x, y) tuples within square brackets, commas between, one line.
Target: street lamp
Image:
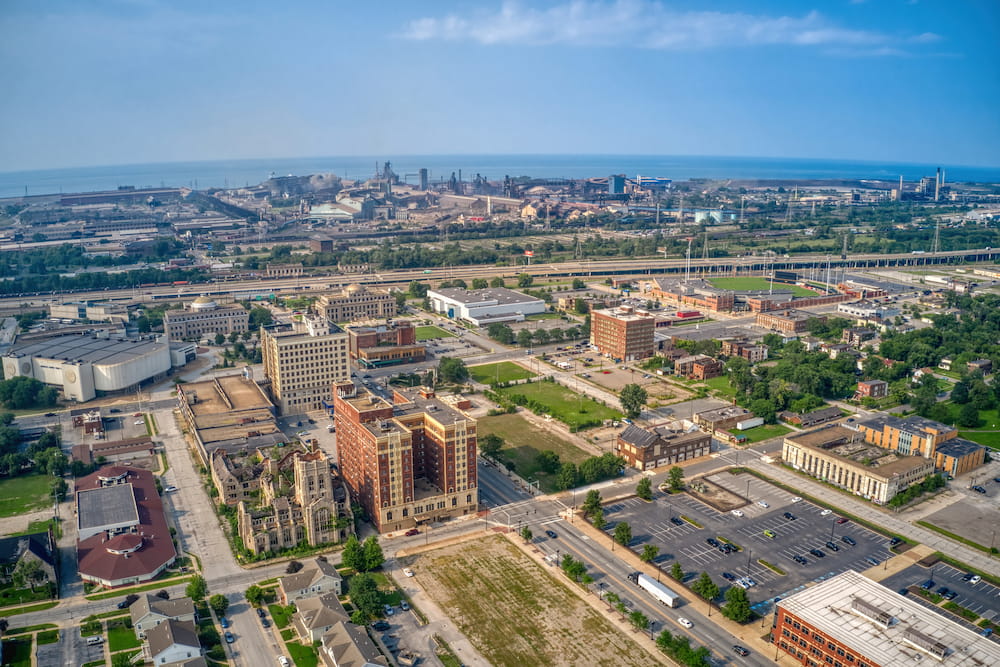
[(749, 556)]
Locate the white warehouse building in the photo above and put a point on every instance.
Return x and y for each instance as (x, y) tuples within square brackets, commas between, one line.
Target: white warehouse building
[(485, 306), (83, 366)]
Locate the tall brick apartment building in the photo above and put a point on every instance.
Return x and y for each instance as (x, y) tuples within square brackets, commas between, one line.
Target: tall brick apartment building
[(622, 333), (408, 462)]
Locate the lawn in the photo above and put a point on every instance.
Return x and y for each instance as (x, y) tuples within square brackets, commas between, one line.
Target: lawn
[(432, 332), (47, 637), (13, 596), (282, 615), (518, 612), (169, 580), (41, 527), (566, 405), (522, 443), (17, 653), (745, 284), (721, 385), (24, 494), (765, 432), (543, 316), (504, 371), (986, 439), (121, 638), (302, 656)]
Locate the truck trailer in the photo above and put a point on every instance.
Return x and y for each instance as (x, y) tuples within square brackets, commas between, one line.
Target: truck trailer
[(659, 591)]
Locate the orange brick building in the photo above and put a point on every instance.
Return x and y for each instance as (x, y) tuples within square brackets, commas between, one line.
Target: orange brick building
[(927, 438), (622, 333)]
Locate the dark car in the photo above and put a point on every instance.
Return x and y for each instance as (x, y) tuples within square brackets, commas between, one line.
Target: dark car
[(740, 650), (801, 560), (927, 585), (848, 540), (412, 531), (979, 489), (114, 410), (229, 638), (260, 612), (904, 591), (894, 541), (551, 533), (790, 516), (224, 622), (381, 626), (50, 414), (841, 520), (832, 547), (951, 595), (712, 542), (967, 576), (817, 553), (728, 576), (677, 522), (123, 604), (942, 590), (266, 623)]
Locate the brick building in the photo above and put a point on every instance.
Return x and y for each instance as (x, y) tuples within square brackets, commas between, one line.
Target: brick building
[(872, 389), (408, 462), (788, 322), (698, 367), (622, 333), (373, 346), (646, 449), (696, 292), (932, 440), (744, 349)]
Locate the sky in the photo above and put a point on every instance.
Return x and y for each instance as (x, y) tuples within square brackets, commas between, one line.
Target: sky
[(108, 82)]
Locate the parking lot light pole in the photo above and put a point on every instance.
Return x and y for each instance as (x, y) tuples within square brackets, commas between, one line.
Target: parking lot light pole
[(749, 557)]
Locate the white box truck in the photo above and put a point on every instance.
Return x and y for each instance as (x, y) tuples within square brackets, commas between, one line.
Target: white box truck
[(659, 591)]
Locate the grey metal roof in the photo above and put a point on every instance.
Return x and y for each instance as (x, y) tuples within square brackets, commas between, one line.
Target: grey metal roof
[(957, 447), (637, 436), (107, 505), (88, 349), (501, 295)]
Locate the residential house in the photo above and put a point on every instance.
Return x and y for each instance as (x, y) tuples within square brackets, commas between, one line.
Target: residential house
[(171, 641), (24, 548), (316, 616), (984, 365), (348, 645), (872, 389), (149, 611), (317, 579)]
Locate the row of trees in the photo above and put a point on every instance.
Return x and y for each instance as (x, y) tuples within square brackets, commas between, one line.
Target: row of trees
[(505, 335), (23, 392)]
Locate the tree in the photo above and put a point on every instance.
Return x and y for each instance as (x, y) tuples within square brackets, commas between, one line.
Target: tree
[(524, 338), (526, 534), (452, 370), (254, 595), (219, 604), (968, 415), (293, 567), (737, 605), (960, 392), (219, 339), (525, 280), (353, 555), (26, 572), (598, 520), (373, 557), (480, 283), (676, 571), (417, 289), (632, 398), (676, 478), (259, 317), (197, 588), (581, 307), (547, 460), (649, 553), (490, 445), (644, 489), (579, 284), (638, 620), (623, 533), (363, 590), (568, 476), (592, 502), (496, 282), (705, 587)]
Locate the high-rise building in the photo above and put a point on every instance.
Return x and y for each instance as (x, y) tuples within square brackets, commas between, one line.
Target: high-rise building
[(622, 333), (356, 302), (616, 184), (409, 462), (302, 361)]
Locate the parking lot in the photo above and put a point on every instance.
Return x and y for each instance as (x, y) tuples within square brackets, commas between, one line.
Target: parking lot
[(810, 529), (981, 597)]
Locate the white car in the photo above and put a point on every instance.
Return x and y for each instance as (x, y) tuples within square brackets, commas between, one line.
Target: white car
[(826, 512), (763, 504), (796, 499), (170, 489), (283, 661), (686, 623), (737, 512), (407, 571), (975, 579)]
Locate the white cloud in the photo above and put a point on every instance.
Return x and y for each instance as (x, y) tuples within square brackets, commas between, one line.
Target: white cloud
[(643, 24)]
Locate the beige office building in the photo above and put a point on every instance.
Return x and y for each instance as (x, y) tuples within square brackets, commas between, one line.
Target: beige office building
[(840, 456), (356, 302), (204, 317), (302, 362)]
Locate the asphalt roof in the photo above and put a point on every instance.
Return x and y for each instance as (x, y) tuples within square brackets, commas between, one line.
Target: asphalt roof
[(958, 447)]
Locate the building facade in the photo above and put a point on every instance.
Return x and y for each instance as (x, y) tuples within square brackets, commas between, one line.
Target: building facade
[(374, 346), (698, 367), (622, 333), (647, 449), (872, 389), (840, 456), (927, 438), (788, 322), (302, 362), (694, 292), (356, 302), (752, 352), (408, 462), (204, 318), (485, 306)]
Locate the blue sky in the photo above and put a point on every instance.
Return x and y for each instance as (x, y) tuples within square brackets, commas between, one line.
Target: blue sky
[(133, 81)]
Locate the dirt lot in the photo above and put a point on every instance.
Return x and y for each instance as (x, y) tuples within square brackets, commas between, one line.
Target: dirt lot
[(515, 613)]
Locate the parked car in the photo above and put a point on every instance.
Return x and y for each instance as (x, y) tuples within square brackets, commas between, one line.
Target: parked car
[(979, 489), (800, 559), (404, 605), (412, 531), (170, 489), (769, 533), (229, 638), (942, 590), (842, 520), (677, 522), (790, 516), (224, 622), (407, 571), (737, 512), (728, 576), (381, 625), (846, 539), (763, 504), (927, 585), (975, 579), (894, 541), (261, 612), (712, 542), (266, 623), (283, 661), (817, 553), (826, 512)]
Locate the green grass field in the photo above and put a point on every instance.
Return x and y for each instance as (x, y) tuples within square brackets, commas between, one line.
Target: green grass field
[(504, 371), (24, 494), (991, 440), (17, 652), (282, 615), (522, 444), (432, 332), (721, 385), (765, 432), (121, 638), (302, 656), (567, 406), (543, 316), (743, 284)]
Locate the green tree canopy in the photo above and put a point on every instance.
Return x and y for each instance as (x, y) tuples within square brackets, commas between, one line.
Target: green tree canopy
[(372, 554), (197, 588), (219, 604), (452, 370), (623, 533), (352, 555), (737, 606), (644, 489), (632, 398)]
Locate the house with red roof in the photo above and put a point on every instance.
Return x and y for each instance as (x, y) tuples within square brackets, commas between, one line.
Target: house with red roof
[(123, 534)]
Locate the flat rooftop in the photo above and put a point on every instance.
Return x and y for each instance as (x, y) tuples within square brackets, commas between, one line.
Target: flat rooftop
[(225, 394), (790, 314), (500, 295), (725, 412), (88, 349), (106, 506), (843, 608), (625, 315)]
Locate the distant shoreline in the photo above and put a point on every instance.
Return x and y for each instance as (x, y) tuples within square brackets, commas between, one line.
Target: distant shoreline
[(237, 173)]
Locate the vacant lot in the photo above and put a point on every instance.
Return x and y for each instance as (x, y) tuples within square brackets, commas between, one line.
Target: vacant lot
[(504, 371), (523, 442), (24, 494), (432, 332), (515, 613), (744, 284), (569, 407), (765, 432)]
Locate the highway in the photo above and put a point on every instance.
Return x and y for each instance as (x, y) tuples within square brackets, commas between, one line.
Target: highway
[(746, 266)]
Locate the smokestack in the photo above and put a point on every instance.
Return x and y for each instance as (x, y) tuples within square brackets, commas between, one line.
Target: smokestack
[(900, 187), (937, 184)]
